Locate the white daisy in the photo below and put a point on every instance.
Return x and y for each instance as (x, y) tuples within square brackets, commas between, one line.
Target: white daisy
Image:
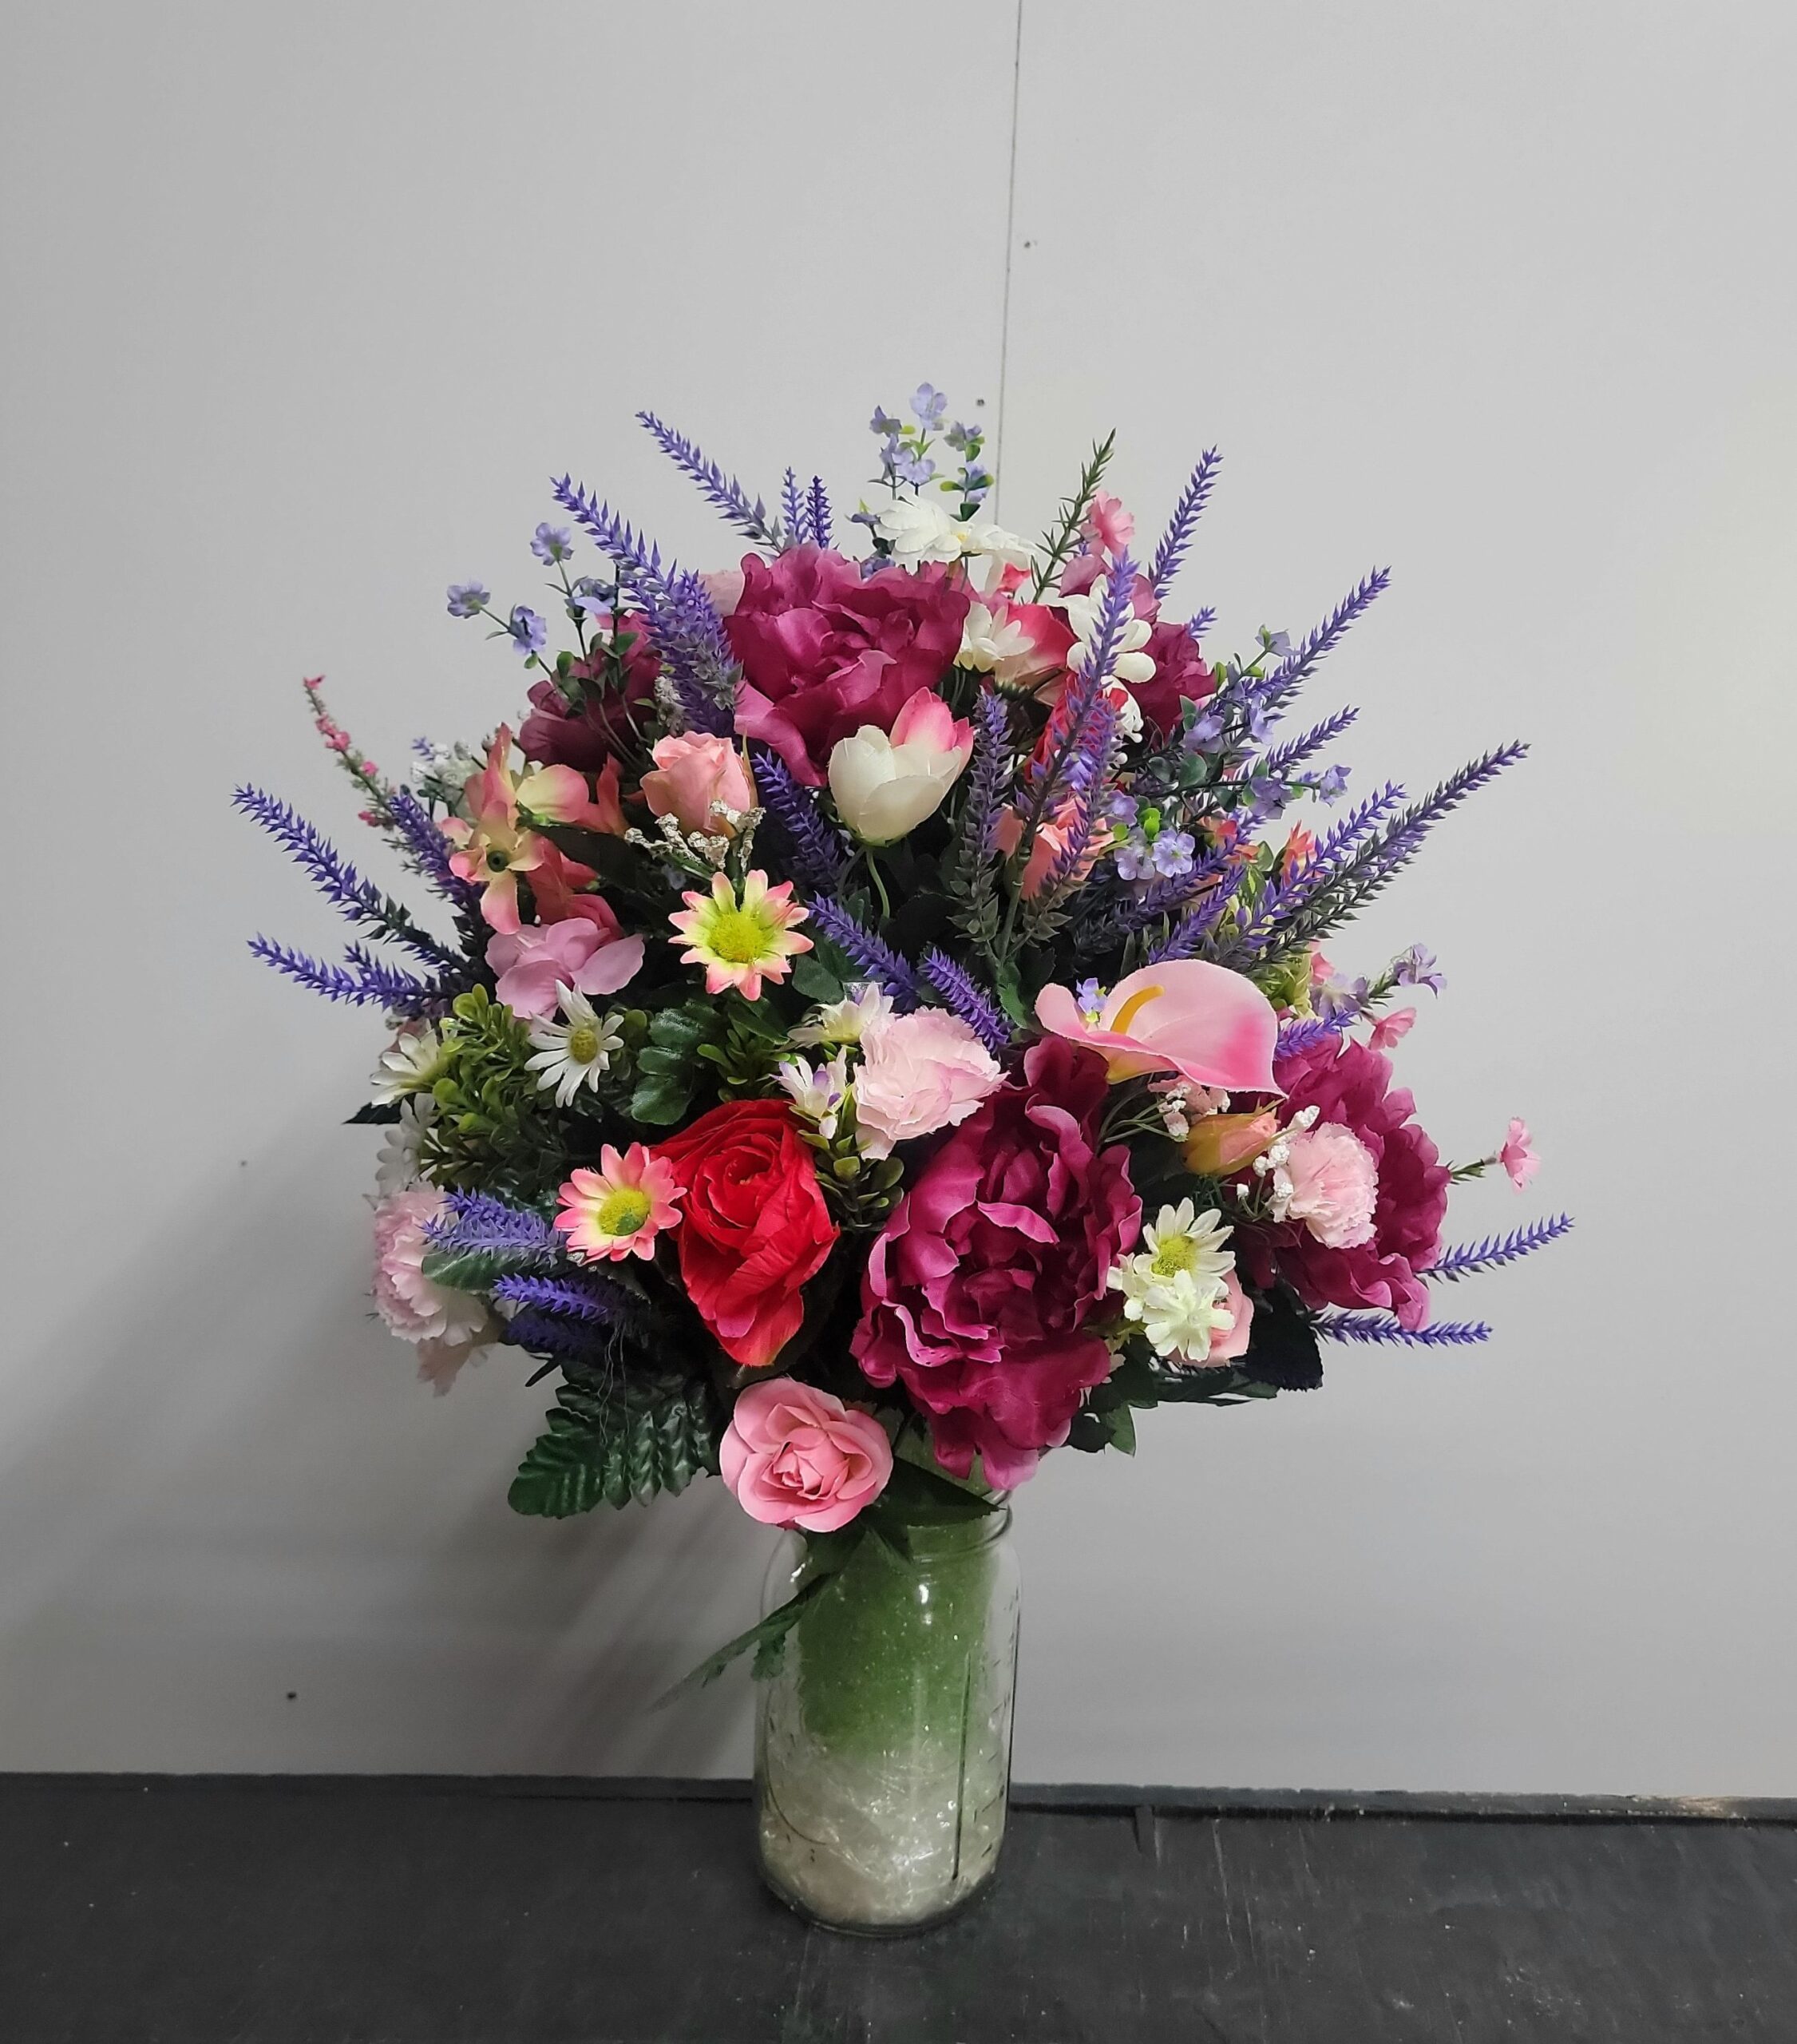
[(575, 1052), (410, 1064), (923, 528), (396, 1168), (1173, 1286)]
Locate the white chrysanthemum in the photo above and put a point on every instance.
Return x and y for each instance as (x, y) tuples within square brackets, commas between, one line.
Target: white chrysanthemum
[(575, 1052), (844, 1021), (396, 1168), (1181, 1316), (409, 1065), (1174, 1285), (1085, 614)]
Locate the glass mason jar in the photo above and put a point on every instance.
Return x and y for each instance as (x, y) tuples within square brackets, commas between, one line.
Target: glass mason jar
[(883, 1742)]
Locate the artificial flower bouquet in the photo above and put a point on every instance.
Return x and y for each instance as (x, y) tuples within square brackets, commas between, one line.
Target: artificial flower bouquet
[(879, 1030)]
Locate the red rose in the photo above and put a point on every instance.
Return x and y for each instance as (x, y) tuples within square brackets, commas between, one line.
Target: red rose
[(753, 1225), (555, 735), (825, 649), (984, 1292)]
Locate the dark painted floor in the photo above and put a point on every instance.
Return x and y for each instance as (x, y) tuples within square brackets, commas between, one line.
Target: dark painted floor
[(165, 1911)]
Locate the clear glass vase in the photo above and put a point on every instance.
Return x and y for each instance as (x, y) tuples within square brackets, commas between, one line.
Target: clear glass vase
[(883, 1742)]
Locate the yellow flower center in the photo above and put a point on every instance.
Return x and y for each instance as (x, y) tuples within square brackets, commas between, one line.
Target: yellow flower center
[(738, 936), (1175, 1254), (583, 1043), (622, 1211), (1133, 1007)]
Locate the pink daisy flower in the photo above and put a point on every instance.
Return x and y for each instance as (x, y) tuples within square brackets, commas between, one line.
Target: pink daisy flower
[(619, 1209), (740, 942)]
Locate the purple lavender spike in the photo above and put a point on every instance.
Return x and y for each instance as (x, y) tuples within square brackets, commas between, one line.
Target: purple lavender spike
[(819, 856), (548, 1334), (1164, 898), (1088, 776), (1200, 622), (966, 999), (430, 848), (368, 980), (476, 1223), (723, 492), (792, 514), (1381, 1327), (985, 799), (1463, 1261), (1277, 763), (819, 505), (869, 955), (588, 1296), (1294, 670), (1171, 552), (1193, 928), (1306, 1034), (357, 900)]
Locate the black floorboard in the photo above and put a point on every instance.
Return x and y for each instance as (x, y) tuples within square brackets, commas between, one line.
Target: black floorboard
[(306, 1911)]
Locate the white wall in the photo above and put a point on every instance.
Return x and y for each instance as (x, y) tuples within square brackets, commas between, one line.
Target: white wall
[(301, 308)]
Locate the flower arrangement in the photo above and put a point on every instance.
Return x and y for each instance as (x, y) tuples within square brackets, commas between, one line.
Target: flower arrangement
[(885, 1032)]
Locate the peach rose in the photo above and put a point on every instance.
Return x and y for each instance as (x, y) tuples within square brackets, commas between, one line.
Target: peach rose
[(695, 774)]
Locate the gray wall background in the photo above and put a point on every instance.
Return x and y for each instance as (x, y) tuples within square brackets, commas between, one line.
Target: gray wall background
[(301, 308)]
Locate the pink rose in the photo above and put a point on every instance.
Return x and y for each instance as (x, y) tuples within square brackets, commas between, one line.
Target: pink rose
[(1330, 1183), (919, 1073), (588, 952), (795, 1455), (1228, 1348), (694, 774), (825, 649)]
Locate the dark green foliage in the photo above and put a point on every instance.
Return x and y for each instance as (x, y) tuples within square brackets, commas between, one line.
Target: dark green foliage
[(608, 1442), (1282, 1351), (496, 1130), (1058, 545), (729, 1043)]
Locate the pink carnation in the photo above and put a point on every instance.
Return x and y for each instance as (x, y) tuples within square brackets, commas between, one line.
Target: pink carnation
[(588, 952), (1351, 1085), (1517, 1156), (919, 1073), (445, 1324), (1330, 1183), (795, 1455), (825, 649), (985, 1290)]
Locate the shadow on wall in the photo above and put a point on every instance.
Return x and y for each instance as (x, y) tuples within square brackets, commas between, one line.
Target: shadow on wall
[(240, 1534)]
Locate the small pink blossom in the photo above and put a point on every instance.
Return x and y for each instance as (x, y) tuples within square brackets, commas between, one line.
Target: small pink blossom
[(1517, 1155), (795, 1455), (919, 1073), (588, 952), (1226, 1347), (1391, 1029), (1330, 1182), (1108, 527), (695, 774)]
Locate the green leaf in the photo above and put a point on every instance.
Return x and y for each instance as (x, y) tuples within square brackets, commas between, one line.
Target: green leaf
[(827, 1559), (627, 1439), (915, 1496), (376, 1110), (813, 979)]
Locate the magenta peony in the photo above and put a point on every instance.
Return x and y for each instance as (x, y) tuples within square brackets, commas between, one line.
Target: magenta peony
[(982, 1290), (1349, 1084), (919, 1073), (795, 1455), (825, 649), (555, 734)]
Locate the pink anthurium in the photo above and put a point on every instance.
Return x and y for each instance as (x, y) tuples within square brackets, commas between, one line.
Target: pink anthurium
[(1210, 1025)]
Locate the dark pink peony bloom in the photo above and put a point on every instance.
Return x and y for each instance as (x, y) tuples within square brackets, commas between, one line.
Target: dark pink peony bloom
[(1350, 1084), (555, 735), (824, 650), (981, 1290), (1180, 670)]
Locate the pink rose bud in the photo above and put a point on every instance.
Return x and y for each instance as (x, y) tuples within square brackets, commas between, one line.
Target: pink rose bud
[(794, 1455), (1222, 1143), (695, 775)]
